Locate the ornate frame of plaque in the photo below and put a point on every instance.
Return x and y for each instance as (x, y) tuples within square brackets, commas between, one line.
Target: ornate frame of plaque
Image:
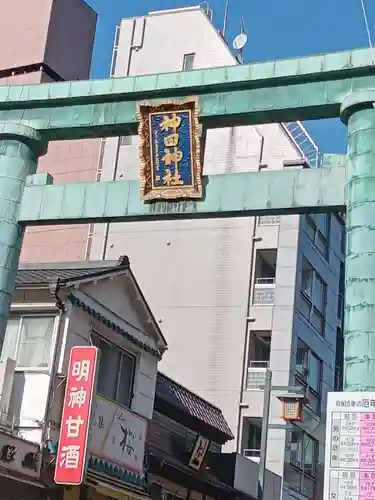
[(169, 150)]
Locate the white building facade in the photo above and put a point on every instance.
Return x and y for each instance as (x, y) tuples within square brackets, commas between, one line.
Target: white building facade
[(54, 308), (238, 295)]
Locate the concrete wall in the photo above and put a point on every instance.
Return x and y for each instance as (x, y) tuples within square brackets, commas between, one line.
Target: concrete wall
[(196, 275), (24, 28), (70, 39), (59, 33)]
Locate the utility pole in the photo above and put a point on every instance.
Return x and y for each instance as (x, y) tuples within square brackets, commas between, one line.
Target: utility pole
[(264, 435)]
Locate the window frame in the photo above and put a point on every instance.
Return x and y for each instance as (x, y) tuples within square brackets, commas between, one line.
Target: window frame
[(311, 301), (318, 234), (125, 140), (303, 378), (315, 443), (19, 316), (303, 474), (123, 352), (186, 58)]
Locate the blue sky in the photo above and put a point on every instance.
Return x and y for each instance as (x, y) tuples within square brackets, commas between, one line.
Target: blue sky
[(276, 29)]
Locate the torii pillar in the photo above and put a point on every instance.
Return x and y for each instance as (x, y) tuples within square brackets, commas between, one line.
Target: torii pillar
[(20, 148), (358, 112)]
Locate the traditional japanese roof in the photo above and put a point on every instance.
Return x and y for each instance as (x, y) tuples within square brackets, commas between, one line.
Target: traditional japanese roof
[(57, 275), (183, 399), (45, 273)]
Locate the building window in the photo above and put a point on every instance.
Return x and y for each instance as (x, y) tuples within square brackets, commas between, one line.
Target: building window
[(303, 451), (340, 298), (307, 278), (28, 340), (317, 228), (309, 375), (125, 140), (188, 62), (300, 474), (116, 372), (313, 296)]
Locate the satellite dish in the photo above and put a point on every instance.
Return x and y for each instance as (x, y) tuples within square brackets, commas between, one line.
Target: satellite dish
[(240, 41)]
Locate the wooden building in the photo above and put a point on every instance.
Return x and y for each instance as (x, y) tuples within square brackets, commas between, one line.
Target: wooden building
[(185, 438)]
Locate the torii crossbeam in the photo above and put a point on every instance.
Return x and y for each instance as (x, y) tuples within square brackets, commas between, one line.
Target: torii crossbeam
[(325, 86)]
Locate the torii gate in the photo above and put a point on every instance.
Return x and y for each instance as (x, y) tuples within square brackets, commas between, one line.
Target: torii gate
[(325, 86)]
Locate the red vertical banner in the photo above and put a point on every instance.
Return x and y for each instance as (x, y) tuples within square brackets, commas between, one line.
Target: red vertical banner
[(75, 421)]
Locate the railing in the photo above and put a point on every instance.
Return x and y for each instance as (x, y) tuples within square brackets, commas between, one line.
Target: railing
[(268, 220), (304, 142), (256, 375), (252, 454), (264, 291), (259, 364)]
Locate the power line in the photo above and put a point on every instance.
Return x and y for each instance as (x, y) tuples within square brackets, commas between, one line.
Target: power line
[(366, 23)]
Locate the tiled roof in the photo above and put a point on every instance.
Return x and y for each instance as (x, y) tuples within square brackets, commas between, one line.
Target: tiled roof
[(42, 274), (180, 397)]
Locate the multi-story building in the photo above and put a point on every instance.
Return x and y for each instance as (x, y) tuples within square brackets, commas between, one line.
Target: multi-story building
[(54, 308), (49, 41), (234, 296)]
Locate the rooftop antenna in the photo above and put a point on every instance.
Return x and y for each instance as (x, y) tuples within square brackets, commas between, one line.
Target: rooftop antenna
[(240, 41)]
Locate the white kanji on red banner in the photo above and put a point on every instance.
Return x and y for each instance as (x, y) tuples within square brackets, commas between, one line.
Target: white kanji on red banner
[(79, 392)]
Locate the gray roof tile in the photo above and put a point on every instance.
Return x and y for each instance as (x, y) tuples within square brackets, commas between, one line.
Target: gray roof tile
[(177, 395), (43, 274)]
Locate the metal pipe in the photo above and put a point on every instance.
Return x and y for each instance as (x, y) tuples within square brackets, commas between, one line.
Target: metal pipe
[(245, 355), (225, 17), (264, 435)]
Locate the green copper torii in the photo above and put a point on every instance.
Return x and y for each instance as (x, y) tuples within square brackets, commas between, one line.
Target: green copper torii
[(317, 87)]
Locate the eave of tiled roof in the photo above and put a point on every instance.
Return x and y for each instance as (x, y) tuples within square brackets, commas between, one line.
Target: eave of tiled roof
[(180, 397), (44, 274)]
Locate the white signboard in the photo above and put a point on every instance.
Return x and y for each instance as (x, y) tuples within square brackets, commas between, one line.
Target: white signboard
[(117, 435), (350, 446), (19, 456)]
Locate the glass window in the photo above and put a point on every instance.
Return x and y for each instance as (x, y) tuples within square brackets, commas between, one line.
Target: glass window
[(314, 376), (307, 277), (296, 448), (125, 140), (320, 293), (303, 451), (321, 244), (188, 62), (305, 307), (116, 372), (309, 372), (324, 223), (28, 340), (300, 473), (302, 357), (310, 228), (317, 320), (126, 380)]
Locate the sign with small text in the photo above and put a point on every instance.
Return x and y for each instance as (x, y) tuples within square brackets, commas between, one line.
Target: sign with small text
[(350, 444), (118, 435), (75, 421), (199, 452)]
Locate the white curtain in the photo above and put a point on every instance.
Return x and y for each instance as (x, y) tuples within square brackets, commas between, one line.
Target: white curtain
[(35, 341), (10, 340)]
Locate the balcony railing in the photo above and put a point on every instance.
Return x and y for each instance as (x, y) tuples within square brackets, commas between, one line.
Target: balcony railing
[(264, 291), (268, 220), (252, 454), (304, 142), (256, 375)]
